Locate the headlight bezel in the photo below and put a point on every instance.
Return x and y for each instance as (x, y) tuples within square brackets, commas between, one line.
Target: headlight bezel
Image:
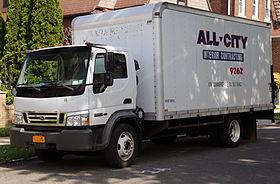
[(77, 120), (18, 119)]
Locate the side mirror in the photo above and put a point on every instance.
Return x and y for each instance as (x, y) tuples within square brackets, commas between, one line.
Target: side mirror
[(110, 62), (108, 79), (136, 63), (14, 92), (7, 75)]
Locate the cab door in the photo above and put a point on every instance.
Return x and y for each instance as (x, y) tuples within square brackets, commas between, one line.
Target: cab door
[(106, 100)]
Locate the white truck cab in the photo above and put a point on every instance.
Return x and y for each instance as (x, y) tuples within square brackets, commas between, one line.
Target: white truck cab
[(66, 87), (70, 79)]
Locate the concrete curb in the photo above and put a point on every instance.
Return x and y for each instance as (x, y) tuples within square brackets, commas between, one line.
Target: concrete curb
[(4, 140), (18, 160)]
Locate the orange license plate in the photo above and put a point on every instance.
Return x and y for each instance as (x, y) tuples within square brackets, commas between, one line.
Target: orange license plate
[(39, 139)]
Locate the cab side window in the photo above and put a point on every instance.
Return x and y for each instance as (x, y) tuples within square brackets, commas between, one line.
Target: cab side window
[(120, 69), (119, 72)]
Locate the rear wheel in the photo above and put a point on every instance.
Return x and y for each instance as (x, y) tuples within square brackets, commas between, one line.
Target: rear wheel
[(123, 146), (230, 132), (49, 155)]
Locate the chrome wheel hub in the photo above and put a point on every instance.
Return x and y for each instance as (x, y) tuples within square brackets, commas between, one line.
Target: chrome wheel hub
[(125, 146), (234, 131)]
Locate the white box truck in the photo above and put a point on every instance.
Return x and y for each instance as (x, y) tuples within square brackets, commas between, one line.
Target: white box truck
[(149, 72)]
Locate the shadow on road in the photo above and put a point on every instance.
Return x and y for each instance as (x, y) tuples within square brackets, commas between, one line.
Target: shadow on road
[(189, 160)]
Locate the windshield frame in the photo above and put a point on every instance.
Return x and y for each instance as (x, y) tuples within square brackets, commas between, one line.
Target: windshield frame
[(51, 50), (54, 90)]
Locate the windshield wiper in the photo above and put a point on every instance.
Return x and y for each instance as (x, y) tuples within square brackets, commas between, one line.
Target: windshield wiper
[(60, 84), (29, 85)]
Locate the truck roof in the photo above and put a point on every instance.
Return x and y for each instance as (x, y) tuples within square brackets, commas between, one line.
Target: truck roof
[(147, 12), (109, 48)]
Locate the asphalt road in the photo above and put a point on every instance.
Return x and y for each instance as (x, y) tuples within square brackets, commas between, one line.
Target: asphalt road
[(189, 160)]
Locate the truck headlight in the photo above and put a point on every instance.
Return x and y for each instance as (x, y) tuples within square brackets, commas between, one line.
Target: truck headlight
[(18, 119), (78, 120)]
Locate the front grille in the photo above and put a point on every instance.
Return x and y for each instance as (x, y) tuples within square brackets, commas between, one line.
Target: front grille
[(44, 118)]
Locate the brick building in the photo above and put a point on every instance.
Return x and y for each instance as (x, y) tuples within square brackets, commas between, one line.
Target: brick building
[(260, 10), (74, 8)]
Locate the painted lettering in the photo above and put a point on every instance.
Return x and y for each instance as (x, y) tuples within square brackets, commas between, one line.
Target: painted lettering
[(244, 40), (229, 40), (201, 38)]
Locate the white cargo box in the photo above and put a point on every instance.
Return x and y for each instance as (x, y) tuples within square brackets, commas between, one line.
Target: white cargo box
[(192, 62)]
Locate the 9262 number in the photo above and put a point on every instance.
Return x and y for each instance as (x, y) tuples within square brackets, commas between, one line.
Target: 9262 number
[(236, 71)]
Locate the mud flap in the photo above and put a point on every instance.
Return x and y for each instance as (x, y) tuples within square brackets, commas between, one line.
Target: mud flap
[(250, 127)]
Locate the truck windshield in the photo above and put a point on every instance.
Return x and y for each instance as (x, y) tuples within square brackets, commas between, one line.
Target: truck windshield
[(59, 67)]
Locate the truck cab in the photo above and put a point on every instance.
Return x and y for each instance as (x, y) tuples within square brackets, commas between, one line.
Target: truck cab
[(67, 96)]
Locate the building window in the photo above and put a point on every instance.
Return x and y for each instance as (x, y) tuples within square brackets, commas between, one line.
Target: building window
[(255, 9), (5, 3), (241, 8), (267, 10), (182, 2)]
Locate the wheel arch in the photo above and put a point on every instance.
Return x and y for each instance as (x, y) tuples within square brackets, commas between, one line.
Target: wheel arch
[(120, 117)]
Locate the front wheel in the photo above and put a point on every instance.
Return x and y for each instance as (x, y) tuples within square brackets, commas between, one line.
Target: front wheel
[(230, 132), (123, 146)]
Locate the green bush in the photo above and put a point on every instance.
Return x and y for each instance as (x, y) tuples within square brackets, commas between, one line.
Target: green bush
[(5, 131), (8, 152), (277, 116)]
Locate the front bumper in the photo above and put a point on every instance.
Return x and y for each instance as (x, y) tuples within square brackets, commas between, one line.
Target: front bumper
[(65, 140)]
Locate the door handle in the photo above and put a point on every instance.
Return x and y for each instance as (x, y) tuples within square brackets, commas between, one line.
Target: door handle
[(127, 101)]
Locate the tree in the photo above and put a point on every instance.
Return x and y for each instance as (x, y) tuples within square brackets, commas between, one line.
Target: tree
[(2, 35), (31, 23), (2, 43), (17, 34), (46, 24)]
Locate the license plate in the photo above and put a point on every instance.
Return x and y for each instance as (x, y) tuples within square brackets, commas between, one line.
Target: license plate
[(39, 139)]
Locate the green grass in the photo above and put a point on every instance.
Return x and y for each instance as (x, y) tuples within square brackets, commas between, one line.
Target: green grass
[(277, 116), (5, 131), (7, 153)]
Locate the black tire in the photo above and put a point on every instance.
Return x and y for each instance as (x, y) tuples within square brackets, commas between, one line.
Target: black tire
[(123, 146), (230, 132), (164, 140), (49, 155)]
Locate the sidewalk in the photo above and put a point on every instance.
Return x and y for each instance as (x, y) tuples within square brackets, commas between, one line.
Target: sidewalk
[(4, 140)]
